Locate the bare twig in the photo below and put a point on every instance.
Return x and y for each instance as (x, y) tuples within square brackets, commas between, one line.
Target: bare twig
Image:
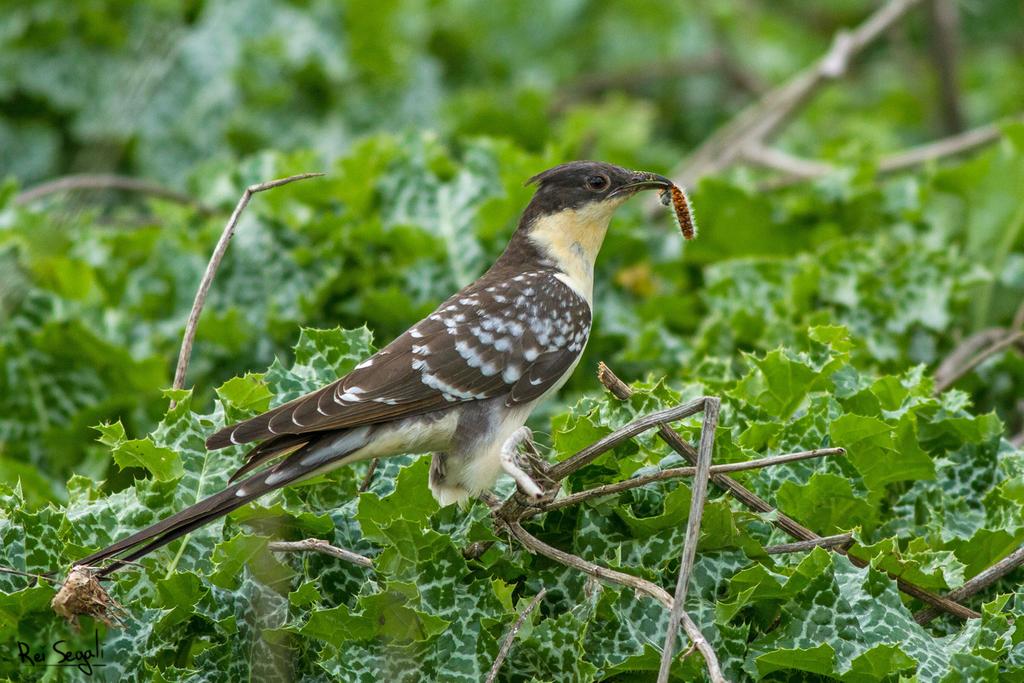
[(964, 350), (792, 167), (506, 645), (954, 145), (37, 577), (676, 472), (820, 542), (538, 546), (782, 521), (584, 457), (515, 508), (88, 181), (977, 584), (797, 169), (317, 545), (699, 495), (368, 477), (757, 124), (1018, 318), (947, 375), (211, 270), (944, 22)]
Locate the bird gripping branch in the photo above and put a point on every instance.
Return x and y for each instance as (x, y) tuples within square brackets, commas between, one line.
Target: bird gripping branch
[(460, 383)]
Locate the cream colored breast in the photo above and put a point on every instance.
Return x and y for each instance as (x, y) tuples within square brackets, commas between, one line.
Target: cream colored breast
[(573, 238)]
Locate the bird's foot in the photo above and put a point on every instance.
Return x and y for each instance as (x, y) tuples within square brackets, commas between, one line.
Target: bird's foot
[(510, 463)]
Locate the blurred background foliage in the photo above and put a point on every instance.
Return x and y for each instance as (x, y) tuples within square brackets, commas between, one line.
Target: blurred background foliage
[(427, 116)]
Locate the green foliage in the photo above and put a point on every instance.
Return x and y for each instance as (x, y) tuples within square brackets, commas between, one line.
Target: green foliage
[(818, 313)]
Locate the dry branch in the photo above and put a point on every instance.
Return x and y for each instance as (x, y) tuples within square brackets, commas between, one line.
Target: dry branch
[(538, 546), (965, 358), (841, 540), (757, 124), (699, 495), (782, 521), (944, 22), (797, 169), (317, 545), (676, 472), (368, 477), (506, 646), (211, 270), (977, 584), (88, 181), (642, 424)]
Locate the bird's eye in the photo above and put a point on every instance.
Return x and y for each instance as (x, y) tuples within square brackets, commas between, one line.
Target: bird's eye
[(597, 183)]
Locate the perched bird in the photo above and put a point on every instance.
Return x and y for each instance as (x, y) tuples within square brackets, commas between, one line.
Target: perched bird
[(460, 383)]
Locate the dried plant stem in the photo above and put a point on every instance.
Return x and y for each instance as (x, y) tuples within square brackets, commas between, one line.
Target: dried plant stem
[(782, 521), (515, 508), (977, 584), (820, 542), (36, 577), (211, 270), (758, 123), (946, 377), (368, 477), (317, 545), (796, 169), (105, 181), (584, 457), (640, 585), (699, 495), (944, 22), (676, 472), (506, 645)]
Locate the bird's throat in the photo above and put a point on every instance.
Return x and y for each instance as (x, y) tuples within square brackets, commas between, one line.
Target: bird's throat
[(572, 239)]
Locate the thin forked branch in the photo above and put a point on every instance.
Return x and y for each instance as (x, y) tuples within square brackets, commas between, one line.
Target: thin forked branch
[(506, 645), (105, 181), (700, 492), (782, 521), (839, 540), (977, 584), (945, 376), (211, 270), (758, 123), (797, 169), (676, 472), (318, 545), (538, 546)]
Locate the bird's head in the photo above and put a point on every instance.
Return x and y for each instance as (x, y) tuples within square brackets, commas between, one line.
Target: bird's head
[(569, 214), (591, 187)]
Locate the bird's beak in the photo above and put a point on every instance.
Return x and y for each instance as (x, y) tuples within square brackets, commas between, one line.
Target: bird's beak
[(643, 180)]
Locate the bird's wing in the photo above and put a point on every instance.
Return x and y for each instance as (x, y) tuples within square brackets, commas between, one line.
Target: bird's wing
[(492, 339)]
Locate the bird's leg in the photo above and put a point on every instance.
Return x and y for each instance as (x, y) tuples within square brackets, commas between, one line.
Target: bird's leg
[(510, 463)]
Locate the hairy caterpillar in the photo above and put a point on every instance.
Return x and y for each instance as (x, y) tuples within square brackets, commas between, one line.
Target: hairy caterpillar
[(684, 213)]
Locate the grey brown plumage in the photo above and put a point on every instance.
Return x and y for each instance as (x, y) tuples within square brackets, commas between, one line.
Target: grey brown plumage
[(459, 382)]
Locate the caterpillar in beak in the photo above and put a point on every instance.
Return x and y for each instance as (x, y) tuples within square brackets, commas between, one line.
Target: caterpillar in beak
[(684, 213)]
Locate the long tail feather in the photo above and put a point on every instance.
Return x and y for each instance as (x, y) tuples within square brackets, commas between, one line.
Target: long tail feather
[(329, 451)]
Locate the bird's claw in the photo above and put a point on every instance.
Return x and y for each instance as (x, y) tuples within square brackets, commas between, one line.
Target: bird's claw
[(513, 464)]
